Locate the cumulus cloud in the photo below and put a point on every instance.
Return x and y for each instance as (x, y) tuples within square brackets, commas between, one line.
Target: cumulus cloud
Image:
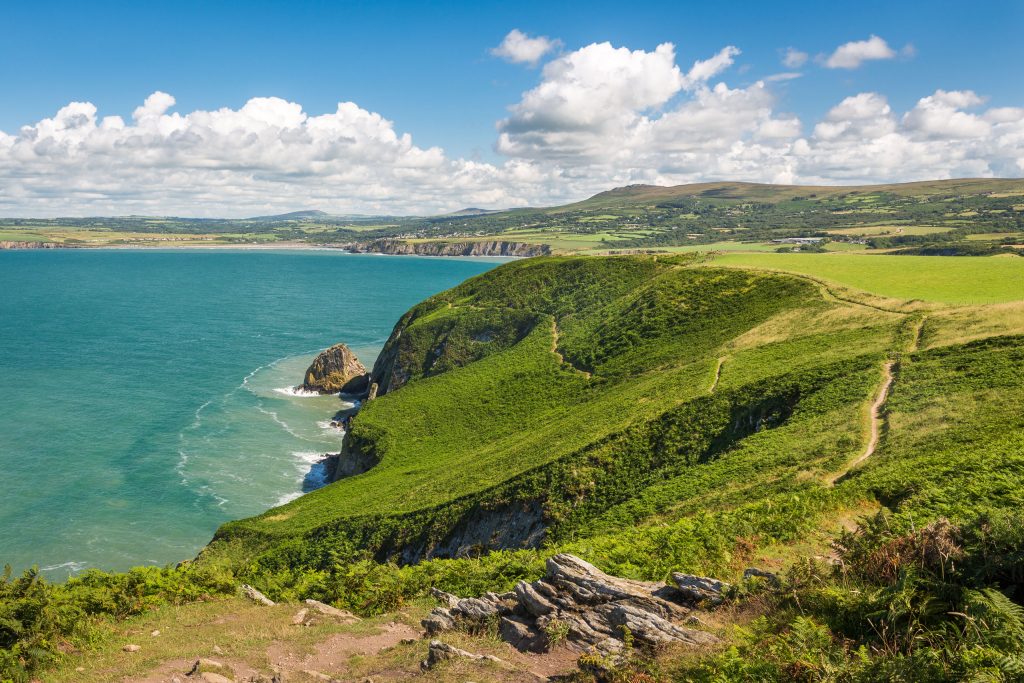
[(598, 117), (940, 116), (704, 70), (851, 55), (519, 48), (793, 58), (267, 155), (863, 140)]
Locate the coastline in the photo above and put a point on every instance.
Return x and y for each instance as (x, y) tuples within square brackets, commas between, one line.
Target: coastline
[(281, 246)]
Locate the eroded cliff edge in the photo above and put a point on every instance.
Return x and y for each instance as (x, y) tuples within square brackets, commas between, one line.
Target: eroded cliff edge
[(477, 248)]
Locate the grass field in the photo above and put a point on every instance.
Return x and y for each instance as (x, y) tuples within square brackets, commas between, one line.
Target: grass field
[(996, 236), (949, 280), (874, 230), (102, 237)]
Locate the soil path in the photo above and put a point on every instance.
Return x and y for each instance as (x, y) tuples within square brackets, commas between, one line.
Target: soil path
[(718, 374), (876, 422)]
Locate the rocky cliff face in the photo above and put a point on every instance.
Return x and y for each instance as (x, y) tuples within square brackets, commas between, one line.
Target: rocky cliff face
[(336, 370), (481, 248), (7, 244)]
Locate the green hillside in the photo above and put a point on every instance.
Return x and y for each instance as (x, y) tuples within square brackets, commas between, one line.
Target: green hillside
[(939, 217), (656, 415), (653, 414)]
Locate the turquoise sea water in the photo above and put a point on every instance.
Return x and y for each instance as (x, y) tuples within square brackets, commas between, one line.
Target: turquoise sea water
[(144, 395)]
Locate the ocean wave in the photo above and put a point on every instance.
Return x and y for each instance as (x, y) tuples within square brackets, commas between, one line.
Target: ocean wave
[(297, 392), (312, 474), (72, 567), (287, 498), (284, 425), (312, 469), (333, 426)]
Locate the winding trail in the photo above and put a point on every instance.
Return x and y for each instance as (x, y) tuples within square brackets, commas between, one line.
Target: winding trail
[(876, 422), (558, 354)]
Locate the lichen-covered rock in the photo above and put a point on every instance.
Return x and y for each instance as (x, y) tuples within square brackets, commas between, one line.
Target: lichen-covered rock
[(468, 613), (590, 609), (700, 589), (522, 634), (336, 370), (440, 652), (755, 573)]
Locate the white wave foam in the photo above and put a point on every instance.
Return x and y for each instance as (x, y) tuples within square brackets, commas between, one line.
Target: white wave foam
[(312, 474), (332, 426), (297, 392), (284, 425), (287, 498), (72, 567), (308, 457)]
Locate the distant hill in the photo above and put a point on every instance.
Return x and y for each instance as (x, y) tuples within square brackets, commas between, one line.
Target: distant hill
[(293, 216), (472, 212), (763, 192)]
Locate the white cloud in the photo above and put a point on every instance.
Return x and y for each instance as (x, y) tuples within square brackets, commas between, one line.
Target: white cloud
[(784, 76), (267, 155), (598, 117), (851, 55), (704, 70), (940, 116), (519, 48), (794, 58)]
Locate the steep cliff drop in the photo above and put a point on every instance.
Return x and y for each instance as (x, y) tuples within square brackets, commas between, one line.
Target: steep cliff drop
[(336, 370), (8, 244), (475, 248)]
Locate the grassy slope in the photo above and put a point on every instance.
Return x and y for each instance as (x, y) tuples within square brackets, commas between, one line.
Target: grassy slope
[(503, 423), (527, 408)]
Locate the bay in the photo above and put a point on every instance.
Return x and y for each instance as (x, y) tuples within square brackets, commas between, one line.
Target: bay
[(144, 394)]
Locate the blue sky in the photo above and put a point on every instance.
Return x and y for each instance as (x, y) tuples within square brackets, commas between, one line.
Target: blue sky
[(427, 67)]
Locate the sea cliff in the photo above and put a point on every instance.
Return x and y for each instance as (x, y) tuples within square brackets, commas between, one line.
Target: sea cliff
[(9, 244), (477, 248)]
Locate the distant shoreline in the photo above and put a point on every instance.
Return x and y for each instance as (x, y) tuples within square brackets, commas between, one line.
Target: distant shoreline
[(284, 246), (277, 246)]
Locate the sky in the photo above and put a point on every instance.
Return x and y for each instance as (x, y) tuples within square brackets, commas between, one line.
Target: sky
[(246, 108)]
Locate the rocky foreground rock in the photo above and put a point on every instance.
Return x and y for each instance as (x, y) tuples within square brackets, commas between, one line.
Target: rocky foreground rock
[(336, 370), (587, 608)]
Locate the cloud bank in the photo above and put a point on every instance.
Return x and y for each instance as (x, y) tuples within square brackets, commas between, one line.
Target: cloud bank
[(598, 117)]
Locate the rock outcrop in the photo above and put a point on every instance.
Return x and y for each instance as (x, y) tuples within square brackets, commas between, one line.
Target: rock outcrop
[(441, 652), (576, 601), (336, 370), (476, 248), (349, 463)]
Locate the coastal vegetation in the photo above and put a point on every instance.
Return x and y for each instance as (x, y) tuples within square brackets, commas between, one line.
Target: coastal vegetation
[(659, 414)]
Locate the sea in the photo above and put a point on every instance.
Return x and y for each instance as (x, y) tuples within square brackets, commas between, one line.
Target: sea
[(148, 396)]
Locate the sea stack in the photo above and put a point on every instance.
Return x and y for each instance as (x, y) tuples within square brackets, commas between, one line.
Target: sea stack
[(336, 370)]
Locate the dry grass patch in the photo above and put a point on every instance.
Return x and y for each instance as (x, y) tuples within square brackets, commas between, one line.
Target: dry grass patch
[(961, 325)]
